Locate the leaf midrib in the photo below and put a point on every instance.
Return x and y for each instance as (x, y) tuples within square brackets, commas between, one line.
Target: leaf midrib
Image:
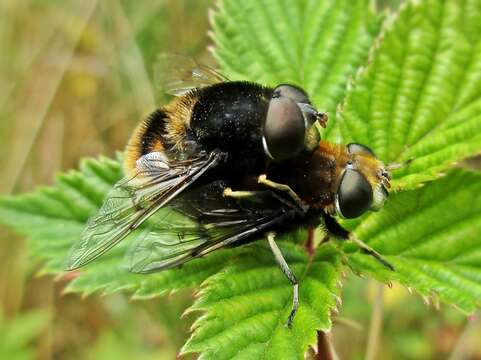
[(288, 305)]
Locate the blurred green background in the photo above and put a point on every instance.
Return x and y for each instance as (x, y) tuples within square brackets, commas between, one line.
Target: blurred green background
[(75, 78)]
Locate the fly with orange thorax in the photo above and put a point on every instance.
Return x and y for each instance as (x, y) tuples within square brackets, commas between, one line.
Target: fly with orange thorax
[(224, 164)]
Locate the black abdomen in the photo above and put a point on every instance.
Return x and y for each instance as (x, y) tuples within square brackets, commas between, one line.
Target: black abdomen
[(230, 116)]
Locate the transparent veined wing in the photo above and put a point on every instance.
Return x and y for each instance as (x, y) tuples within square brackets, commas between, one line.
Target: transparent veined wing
[(200, 222), (176, 74), (133, 200)]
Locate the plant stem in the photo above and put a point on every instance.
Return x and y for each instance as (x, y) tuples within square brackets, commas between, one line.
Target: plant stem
[(325, 350), (376, 324), (463, 346), (309, 245)]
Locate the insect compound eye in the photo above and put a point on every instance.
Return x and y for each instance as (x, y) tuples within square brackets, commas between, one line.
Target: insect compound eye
[(354, 148), (354, 196), (284, 129), (292, 92), (299, 96)]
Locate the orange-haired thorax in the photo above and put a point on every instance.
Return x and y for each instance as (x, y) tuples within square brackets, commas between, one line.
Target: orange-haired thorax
[(313, 176), (316, 176)]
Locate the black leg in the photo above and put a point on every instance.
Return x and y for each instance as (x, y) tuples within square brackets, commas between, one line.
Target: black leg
[(335, 229), (288, 273)]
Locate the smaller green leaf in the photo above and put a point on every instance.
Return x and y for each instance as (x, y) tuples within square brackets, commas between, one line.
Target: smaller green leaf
[(247, 304), (53, 218)]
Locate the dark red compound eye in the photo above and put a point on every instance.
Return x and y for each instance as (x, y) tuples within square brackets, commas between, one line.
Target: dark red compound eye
[(284, 129)]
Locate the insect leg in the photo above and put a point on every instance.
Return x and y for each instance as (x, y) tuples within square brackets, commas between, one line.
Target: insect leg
[(288, 273), (370, 251), (254, 196), (262, 179), (335, 229), (228, 192)]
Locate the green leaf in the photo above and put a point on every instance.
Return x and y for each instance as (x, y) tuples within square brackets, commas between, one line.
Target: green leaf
[(432, 237), (53, 218), (315, 44), (419, 97), (246, 305)]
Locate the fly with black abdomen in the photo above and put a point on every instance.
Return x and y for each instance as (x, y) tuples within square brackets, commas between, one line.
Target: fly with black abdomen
[(227, 163)]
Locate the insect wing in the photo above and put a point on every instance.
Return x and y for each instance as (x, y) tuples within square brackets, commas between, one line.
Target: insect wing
[(196, 225), (133, 200), (176, 74)]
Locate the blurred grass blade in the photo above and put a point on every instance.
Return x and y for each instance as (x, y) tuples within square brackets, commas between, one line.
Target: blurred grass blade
[(124, 54), (19, 332), (42, 85)]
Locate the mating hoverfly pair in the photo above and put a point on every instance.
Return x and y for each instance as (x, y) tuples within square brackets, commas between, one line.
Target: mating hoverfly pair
[(239, 161)]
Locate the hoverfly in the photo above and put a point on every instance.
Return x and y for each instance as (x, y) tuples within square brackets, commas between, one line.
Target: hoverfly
[(219, 135)]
